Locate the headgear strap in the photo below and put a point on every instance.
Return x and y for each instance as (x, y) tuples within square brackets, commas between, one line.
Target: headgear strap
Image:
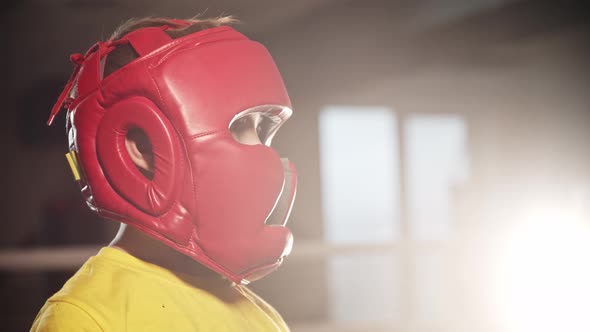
[(143, 42)]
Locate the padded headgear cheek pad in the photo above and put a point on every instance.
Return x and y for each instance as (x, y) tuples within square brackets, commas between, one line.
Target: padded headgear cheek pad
[(209, 196)]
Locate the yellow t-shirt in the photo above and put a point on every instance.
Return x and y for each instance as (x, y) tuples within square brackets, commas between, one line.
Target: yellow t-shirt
[(114, 291)]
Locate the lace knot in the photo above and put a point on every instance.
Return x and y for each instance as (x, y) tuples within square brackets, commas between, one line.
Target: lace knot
[(68, 102), (77, 58)]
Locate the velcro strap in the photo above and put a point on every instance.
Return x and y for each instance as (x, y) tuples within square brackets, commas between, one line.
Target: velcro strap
[(146, 40)]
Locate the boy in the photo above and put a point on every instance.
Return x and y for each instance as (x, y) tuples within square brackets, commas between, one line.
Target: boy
[(169, 125)]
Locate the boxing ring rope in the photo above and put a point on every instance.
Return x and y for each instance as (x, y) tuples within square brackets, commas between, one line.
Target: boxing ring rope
[(63, 258), (71, 257)]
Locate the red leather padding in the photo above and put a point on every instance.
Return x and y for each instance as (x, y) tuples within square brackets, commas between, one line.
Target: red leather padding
[(237, 187), (89, 76), (151, 196), (147, 40), (228, 77)]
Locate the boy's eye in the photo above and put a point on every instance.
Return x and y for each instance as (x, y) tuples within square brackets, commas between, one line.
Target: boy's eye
[(266, 127), (247, 122), (259, 123), (246, 130)]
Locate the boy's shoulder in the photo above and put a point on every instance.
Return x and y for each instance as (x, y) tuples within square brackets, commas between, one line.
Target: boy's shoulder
[(64, 316), (98, 278), (115, 291), (108, 289), (81, 302)]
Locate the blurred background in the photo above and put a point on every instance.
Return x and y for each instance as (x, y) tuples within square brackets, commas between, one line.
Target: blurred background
[(442, 148)]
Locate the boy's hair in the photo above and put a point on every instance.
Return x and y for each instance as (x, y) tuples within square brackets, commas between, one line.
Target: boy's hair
[(124, 54)]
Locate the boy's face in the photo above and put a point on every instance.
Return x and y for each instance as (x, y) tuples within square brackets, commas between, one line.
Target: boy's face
[(245, 129)]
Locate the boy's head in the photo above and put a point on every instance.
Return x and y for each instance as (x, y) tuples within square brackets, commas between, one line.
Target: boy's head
[(170, 122)]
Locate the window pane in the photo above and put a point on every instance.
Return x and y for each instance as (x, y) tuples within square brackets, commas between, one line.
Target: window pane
[(436, 160), (433, 300), (364, 287), (359, 174)]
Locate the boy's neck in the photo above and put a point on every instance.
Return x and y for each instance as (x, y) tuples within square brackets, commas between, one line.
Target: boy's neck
[(141, 246)]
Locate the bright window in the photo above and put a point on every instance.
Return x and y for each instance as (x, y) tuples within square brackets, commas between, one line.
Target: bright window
[(360, 174), (361, 180), (436, 162)]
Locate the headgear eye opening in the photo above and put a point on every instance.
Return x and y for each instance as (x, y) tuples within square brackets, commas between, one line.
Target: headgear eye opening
[(267, 119)]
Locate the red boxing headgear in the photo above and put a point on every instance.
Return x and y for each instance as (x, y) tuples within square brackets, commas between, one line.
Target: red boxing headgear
[(211, 198)]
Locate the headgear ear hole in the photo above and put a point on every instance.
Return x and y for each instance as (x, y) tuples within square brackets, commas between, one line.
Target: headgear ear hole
[(143, 157), (153, 196)]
